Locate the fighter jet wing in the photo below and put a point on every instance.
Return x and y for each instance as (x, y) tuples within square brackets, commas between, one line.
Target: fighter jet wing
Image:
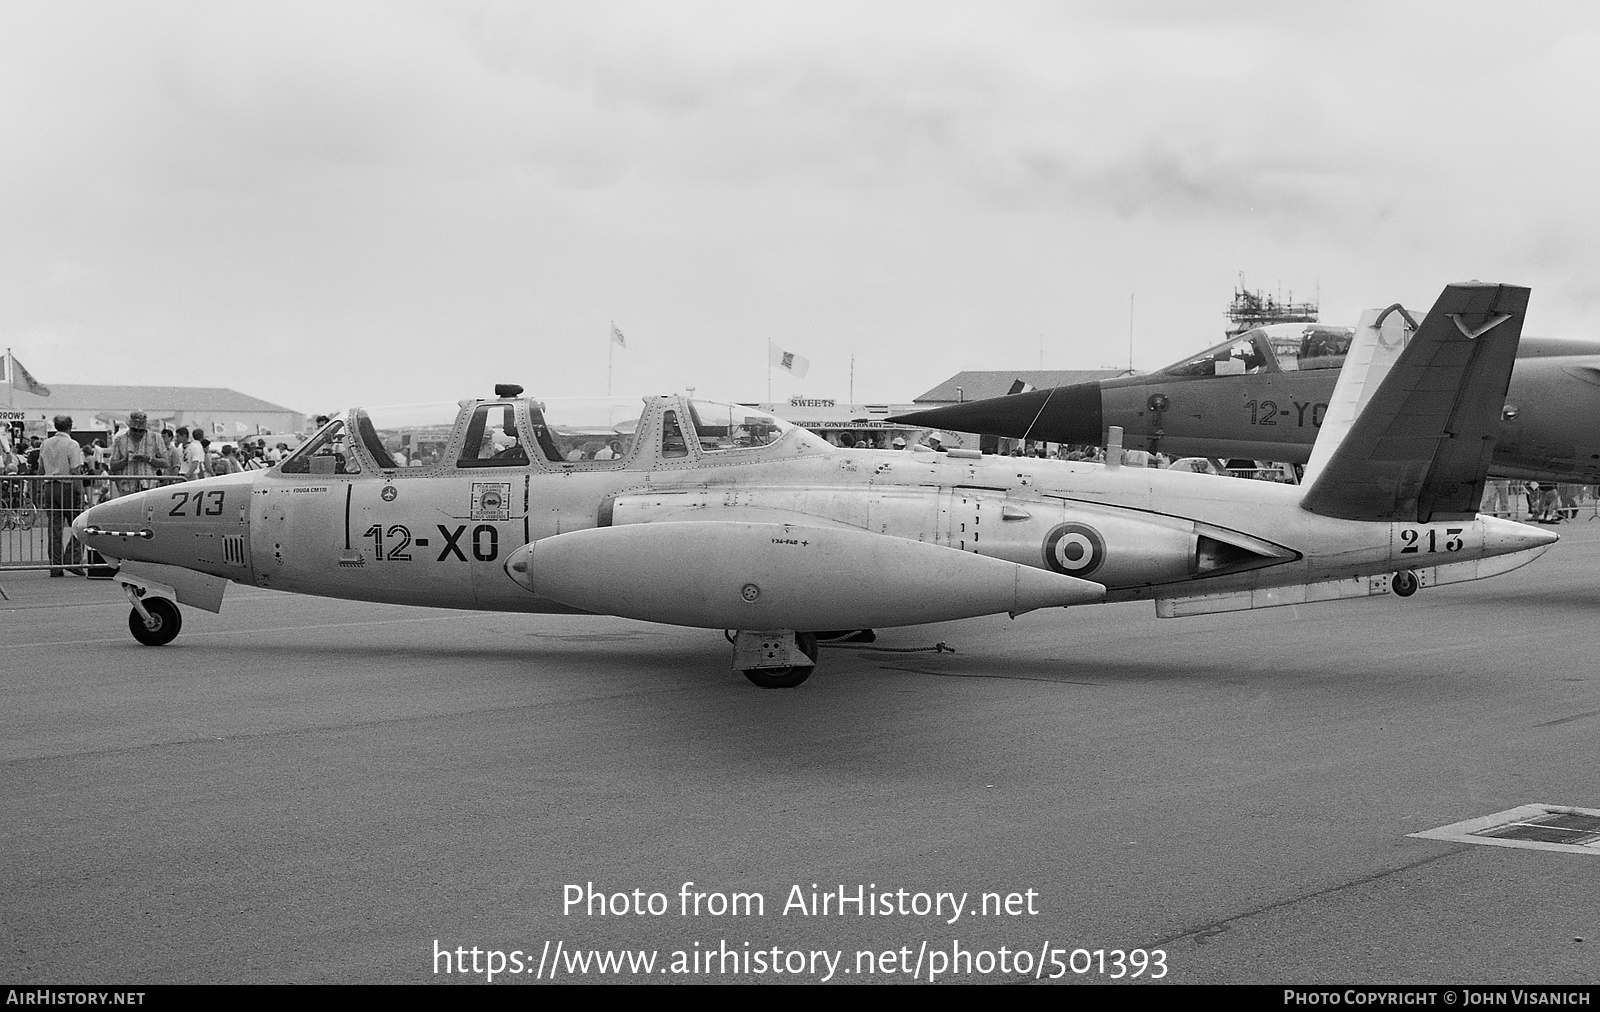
[(1419, 449)]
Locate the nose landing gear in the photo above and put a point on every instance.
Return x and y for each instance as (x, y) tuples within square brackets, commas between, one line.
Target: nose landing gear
[(154, 621)]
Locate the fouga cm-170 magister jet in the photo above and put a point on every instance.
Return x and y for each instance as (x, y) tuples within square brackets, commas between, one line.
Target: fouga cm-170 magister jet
[(721, 517)]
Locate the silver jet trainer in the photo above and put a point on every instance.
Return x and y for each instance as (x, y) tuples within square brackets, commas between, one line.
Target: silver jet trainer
[(721, 517)]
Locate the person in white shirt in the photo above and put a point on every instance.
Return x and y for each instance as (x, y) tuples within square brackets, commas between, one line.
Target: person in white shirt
[(194, 458), (63, 457)]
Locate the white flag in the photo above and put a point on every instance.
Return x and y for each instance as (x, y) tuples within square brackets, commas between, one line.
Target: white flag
[(616, 335), (790, 361)]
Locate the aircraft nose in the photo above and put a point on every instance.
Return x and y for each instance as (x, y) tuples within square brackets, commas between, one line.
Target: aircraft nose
[(123, 514), (113, 527), (1069, 414), (1505, 537)]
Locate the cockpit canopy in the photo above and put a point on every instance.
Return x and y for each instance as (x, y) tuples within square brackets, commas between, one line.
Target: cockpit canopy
[(562, 435), (1282, 347)]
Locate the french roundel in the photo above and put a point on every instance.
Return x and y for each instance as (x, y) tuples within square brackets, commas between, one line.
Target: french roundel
[(1074, 549)]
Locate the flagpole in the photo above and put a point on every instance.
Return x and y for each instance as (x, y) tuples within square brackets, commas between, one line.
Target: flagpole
[(611, 354), (11, 380), (769, 373)]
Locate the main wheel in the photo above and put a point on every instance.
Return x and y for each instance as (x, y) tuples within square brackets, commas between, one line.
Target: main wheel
[(786, 678), (168, 622), (1405, 583)]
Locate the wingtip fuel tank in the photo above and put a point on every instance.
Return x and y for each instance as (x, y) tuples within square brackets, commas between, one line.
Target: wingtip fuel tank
[(722, 575)]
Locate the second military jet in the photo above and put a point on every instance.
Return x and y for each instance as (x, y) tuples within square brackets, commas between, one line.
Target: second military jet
[(1262, 395)]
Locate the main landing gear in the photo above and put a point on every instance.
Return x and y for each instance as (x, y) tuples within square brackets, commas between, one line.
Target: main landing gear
[(775, 659), (154, 621)]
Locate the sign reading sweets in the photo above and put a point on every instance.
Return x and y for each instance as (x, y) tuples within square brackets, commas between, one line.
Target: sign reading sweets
[(811, 402)]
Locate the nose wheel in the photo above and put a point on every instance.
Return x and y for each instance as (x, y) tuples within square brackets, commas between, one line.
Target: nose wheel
[(163, 626)]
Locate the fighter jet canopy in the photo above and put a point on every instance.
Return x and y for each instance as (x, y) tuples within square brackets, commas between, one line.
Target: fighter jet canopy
[(1282, 347)]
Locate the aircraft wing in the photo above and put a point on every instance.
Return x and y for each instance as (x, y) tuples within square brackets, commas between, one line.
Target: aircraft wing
[(1420, 447)]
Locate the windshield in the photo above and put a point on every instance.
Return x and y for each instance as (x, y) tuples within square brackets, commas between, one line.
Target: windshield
[(722, 427), (1247, 353), (326, 452)]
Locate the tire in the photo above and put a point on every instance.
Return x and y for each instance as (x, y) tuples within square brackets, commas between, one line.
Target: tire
[(169, 621), (1404, 583), (786, 678)]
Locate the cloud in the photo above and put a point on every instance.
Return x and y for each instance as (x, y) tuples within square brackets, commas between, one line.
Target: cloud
[(953, 178)]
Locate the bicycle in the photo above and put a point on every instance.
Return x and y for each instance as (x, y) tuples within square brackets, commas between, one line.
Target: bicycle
[(17, 509)]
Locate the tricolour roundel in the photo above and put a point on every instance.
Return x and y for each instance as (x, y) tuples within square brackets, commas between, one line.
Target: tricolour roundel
[(1074, 549)]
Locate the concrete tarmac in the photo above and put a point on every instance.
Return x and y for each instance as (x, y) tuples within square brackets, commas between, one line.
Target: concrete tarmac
[(310, 790)]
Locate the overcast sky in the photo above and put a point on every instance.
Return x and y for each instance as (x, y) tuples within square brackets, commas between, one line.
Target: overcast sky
[(329, 204)]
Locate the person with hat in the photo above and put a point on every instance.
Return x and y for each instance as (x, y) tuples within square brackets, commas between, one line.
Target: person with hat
[(899, 443), (137, 453), (62, 457)]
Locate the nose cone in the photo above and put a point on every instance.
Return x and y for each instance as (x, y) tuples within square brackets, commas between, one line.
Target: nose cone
[(1505, 537), (520, 566), (113, 524), (1070, 414)]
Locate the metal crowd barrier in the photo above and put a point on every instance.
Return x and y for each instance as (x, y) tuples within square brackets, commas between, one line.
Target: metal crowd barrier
[(36, 510)]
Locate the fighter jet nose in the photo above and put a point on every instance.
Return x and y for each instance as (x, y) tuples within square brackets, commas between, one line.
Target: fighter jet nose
[(1069, 414)]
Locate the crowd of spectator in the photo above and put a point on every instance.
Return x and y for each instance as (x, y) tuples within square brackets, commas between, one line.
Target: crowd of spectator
[(82, 470), (135, 454)]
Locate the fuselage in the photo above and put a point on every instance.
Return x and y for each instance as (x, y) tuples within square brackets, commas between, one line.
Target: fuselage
[(1549, 428), (440, 535)]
